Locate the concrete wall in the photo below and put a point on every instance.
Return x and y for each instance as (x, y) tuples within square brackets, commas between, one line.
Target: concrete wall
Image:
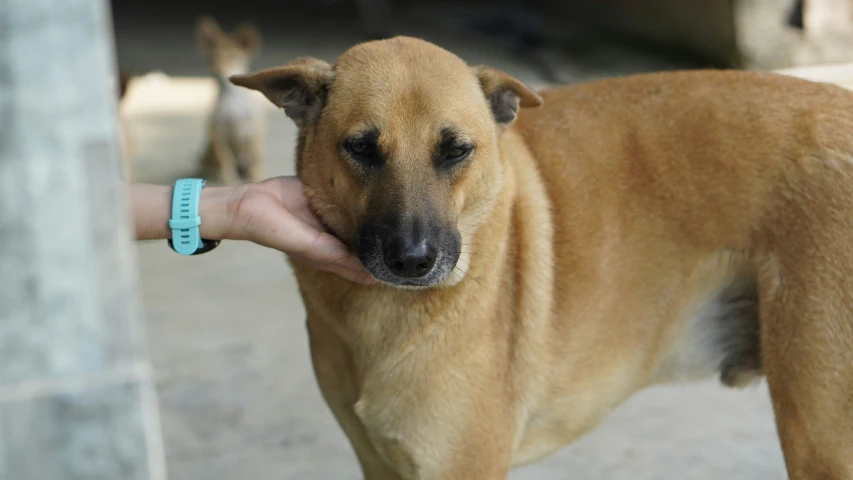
[(77, 400)]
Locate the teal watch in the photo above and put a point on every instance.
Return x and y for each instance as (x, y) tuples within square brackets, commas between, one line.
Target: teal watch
[(185, 220)]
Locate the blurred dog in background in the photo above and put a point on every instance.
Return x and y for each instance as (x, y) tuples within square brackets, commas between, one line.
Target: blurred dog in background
[(237, 128)]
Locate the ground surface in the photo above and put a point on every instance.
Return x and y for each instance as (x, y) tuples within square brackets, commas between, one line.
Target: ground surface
[(226, 331)]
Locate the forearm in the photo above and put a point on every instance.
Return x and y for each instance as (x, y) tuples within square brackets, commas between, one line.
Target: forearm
[(152, 208)]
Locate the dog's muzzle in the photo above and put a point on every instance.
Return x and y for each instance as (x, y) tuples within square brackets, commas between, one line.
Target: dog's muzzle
[(411, 254)]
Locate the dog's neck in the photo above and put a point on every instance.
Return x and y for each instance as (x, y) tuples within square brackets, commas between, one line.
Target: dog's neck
[(225, 86)]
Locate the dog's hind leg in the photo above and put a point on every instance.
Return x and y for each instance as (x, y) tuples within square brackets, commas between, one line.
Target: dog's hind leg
[(806, 314)]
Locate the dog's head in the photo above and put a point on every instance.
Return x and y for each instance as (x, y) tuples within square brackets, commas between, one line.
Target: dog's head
[(228, 53), (398, 151)]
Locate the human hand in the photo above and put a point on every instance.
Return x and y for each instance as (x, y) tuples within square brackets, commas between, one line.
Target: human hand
[(274, 213)]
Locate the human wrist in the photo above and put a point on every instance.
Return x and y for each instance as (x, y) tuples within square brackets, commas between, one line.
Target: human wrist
[(217, 211)]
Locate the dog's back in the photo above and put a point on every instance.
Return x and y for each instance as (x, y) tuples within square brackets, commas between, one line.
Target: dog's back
[(703, 157)]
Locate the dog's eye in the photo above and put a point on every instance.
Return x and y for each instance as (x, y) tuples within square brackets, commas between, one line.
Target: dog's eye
[(364, 152), (457, 153), (358, 148)]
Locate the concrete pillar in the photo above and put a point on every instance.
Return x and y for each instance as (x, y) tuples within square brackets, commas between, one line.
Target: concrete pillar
[(77, 400)]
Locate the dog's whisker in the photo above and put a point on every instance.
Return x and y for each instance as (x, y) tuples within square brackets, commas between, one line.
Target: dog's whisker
[(485, 245), (468, 275)]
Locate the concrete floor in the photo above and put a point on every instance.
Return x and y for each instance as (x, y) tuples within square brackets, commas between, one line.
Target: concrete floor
[(227, 338)]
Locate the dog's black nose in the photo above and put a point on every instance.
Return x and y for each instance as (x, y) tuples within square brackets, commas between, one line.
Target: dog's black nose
[(407, 257)]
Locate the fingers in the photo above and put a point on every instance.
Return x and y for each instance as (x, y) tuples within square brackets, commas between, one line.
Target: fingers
[(330, 254), (282, 220), (325, 252), (357, 275), (348, 268)]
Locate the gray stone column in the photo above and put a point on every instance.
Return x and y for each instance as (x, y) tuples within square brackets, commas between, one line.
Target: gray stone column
[(77, 399)]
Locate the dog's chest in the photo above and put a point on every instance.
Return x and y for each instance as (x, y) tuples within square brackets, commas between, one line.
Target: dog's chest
[(238, 114)]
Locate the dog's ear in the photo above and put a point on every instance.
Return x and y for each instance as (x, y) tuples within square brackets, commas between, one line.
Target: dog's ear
[(207, 33), (505, 93), (248, 37), (299, 87)]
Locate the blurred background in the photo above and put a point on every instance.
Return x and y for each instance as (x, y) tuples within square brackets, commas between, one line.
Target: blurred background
[(235, 393)]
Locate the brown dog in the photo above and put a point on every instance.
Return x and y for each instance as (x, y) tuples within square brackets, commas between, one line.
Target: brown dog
[(235, 144), (631, 232)]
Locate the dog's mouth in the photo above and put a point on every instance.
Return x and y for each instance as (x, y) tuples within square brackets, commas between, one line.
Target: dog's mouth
[(406, 264)]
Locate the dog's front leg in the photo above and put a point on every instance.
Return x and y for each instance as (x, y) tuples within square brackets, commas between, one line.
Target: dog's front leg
[(333, 369), (451, 434), (427, 453), (449, 431)]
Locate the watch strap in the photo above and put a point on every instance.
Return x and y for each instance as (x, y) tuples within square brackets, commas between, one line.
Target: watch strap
[(185, 220)]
